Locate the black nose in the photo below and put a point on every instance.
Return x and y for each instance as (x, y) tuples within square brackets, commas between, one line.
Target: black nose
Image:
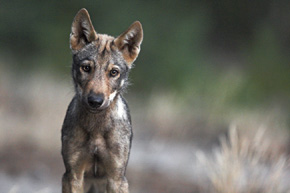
[(95, 101)]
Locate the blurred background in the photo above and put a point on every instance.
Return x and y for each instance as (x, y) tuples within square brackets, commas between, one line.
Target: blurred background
[(209, 97)]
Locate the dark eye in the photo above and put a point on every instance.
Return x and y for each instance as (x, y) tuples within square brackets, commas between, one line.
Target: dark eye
[(114, 72), (86, 68)]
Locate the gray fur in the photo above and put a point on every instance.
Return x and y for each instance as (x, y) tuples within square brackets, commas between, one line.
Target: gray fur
[(96, 141)]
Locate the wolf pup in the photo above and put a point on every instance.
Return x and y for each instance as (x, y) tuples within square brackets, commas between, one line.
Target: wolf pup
[(97, 133)]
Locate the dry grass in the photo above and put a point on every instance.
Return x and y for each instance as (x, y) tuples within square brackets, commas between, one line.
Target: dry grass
[(244, 164)]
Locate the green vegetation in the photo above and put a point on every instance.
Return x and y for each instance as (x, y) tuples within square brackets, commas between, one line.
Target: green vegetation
[(238, 49)]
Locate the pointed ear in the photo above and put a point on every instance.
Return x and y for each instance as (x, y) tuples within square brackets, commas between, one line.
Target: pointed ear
[(130, 41), (82, 30)]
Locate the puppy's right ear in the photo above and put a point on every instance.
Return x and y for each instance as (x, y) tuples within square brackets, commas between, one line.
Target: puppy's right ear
[(82, 30)]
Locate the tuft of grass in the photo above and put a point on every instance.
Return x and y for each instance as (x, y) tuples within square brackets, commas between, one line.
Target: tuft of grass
[(245, 164)]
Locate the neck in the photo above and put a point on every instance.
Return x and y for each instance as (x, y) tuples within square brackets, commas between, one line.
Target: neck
[(89, 121)]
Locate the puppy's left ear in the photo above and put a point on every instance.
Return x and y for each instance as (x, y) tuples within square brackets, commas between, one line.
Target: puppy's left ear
[(130, 41)]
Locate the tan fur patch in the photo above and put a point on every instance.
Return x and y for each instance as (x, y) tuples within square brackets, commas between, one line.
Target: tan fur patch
[(74, 158), (104, 41)]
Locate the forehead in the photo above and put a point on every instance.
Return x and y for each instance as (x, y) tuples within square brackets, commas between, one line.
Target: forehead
[(101, 51)]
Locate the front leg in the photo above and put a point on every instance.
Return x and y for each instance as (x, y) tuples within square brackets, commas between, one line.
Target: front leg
[(73, 178), (116, 166), (75, 160)]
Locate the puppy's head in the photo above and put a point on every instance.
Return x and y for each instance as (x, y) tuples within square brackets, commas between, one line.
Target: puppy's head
[(100, 62)]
